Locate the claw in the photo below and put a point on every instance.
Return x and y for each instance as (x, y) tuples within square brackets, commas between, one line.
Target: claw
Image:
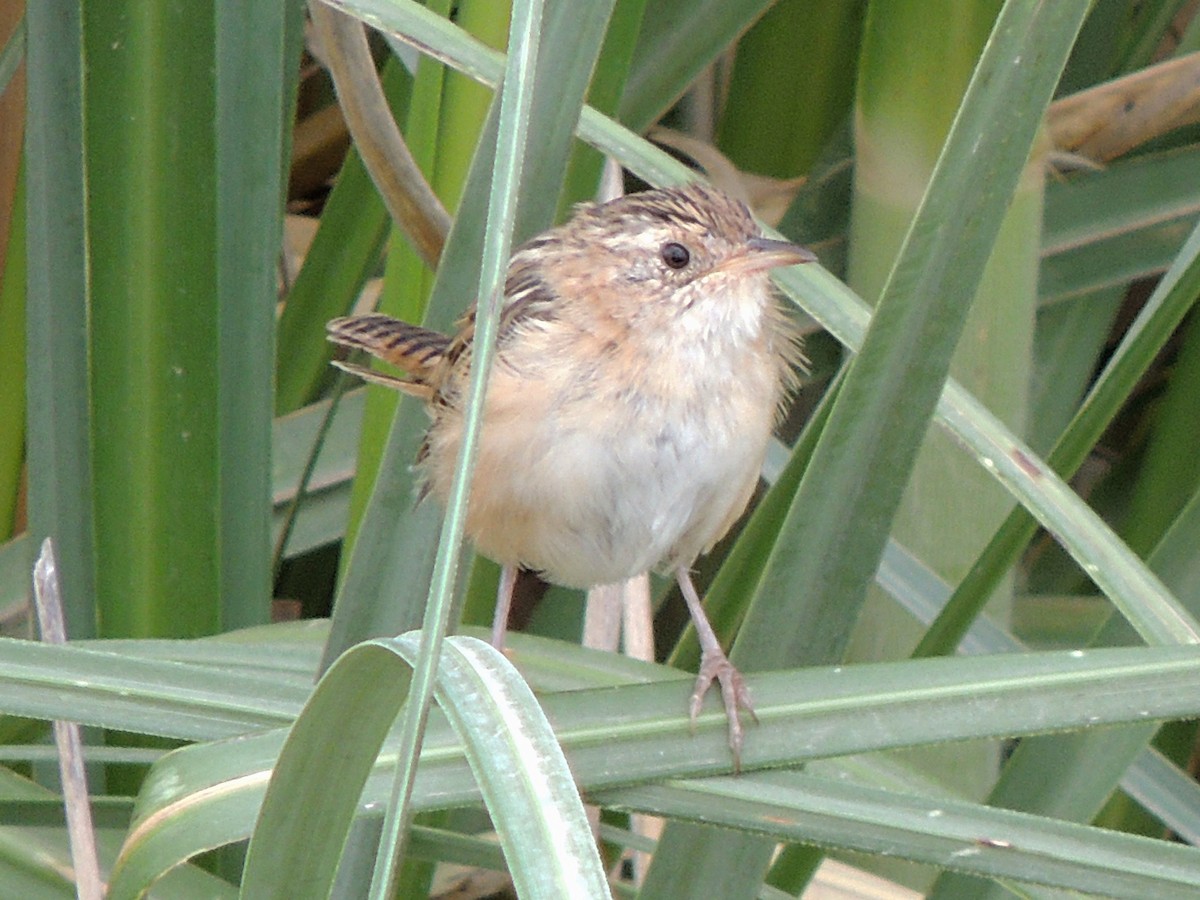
[(734, 694)]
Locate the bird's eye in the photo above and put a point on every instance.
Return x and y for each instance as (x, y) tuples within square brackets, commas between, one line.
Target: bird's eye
[(676, 255)]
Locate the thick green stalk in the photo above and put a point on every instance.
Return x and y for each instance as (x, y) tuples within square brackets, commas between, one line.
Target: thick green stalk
[(150, 99), (406, 284), (183, 124)]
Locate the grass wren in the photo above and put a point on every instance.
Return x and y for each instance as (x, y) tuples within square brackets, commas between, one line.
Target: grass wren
[(641, 364)]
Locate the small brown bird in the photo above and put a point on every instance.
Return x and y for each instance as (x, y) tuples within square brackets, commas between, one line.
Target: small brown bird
[(641, 363)]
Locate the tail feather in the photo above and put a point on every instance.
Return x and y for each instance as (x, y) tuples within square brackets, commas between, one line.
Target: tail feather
[(396, 383), (418, 351)]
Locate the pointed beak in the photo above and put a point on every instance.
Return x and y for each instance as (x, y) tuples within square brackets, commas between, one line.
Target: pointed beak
[(765, 253)]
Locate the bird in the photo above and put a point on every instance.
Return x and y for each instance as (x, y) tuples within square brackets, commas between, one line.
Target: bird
[(642, 362)]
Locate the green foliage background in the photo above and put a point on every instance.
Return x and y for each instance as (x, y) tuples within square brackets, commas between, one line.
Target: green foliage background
[(162, 417)]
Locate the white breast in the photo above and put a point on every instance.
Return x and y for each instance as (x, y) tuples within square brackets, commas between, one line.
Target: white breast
[(591, 476)]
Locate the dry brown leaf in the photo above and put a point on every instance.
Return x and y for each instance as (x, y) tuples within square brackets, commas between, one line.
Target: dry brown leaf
[(1111, 119)]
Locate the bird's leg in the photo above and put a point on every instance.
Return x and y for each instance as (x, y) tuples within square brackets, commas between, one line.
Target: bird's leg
[(715, 666), (504, 595)]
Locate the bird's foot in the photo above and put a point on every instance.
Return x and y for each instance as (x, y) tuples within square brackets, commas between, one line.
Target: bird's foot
[(734, 693)]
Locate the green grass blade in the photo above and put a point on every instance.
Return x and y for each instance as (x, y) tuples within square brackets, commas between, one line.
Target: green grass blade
[(153, 328), (515, 106), (250, 115), (304, 820), (1069, 340), (341, 256), (677, 42), (946, 833), (209, 794), (879, 419), (147, 696), (1170, 468), (522, 776), (1166, 790), (944, 699), (13, 286), (1105, 229), (526, 783), (59, 448), (1172, 298)]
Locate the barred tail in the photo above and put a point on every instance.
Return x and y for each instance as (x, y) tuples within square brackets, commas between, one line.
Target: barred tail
[(417, 351)]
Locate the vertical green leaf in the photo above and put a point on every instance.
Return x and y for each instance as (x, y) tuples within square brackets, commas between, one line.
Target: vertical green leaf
[(12, 361), (1170, 468), (251, 109), (182, 134), (152, 245), (792, 85), (514, 115), (830, 543), (873, 436), (911, 83), (676, 43), (59, 448), (604, 94)]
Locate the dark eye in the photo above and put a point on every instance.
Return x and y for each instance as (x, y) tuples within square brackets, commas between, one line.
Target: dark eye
[(676, 255)]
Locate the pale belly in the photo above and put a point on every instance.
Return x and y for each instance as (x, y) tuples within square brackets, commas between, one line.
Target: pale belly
[(594, 492)]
